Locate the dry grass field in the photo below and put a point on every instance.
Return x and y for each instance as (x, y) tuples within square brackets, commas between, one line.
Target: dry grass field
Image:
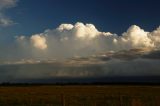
[(80, 95)]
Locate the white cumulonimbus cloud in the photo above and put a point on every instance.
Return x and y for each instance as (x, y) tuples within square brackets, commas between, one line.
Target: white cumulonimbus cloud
[(83, 39), (6, 4), (89, 53), (38, 42)]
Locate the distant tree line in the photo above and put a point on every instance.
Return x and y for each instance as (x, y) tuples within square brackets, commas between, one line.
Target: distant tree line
[(76, 83)]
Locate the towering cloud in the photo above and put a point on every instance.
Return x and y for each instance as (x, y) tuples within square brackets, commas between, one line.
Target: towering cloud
[(38, 42), (81, 51), (85, 31), (137, 37), (80, 39), (155, 37), (6, 4)]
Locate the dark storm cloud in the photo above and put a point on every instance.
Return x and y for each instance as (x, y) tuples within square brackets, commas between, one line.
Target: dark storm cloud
[(103, 65), (153, 55)]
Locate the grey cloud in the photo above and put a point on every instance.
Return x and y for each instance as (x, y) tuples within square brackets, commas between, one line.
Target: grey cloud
[(80, 69), (152, 55)]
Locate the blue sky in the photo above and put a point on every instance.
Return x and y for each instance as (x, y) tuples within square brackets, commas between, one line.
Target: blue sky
[(34, 16)]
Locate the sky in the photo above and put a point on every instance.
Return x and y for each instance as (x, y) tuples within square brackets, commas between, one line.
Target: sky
[(107, 15), (91, 36)]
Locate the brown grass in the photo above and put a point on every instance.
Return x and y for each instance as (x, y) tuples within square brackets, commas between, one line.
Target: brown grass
[(80, 95)]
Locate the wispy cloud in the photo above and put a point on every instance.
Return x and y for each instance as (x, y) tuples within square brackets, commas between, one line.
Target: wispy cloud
[(6, 4)]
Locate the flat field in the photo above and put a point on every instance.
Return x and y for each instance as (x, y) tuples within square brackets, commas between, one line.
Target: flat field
[(80, 95)]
